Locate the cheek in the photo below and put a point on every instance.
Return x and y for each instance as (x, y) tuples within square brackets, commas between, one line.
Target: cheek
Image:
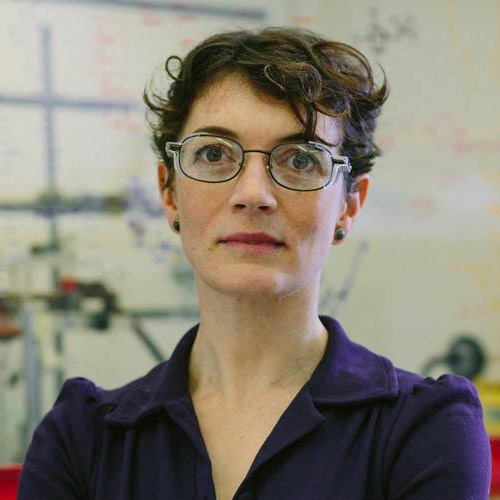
[(197, 213), (321, 229), (191, 214), (315, 232), (318, 221), (194, 205)]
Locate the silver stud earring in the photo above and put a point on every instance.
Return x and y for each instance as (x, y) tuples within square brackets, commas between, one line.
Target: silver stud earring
[(340, 234)]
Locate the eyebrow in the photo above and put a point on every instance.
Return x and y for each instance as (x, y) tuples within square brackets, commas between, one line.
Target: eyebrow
[(230, 134)]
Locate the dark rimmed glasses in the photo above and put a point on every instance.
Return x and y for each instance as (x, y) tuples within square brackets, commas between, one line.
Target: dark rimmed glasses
[(299, 166)]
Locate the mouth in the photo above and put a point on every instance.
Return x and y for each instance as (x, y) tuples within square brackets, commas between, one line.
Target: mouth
[(255, 243), (252, 239), (252, 247)]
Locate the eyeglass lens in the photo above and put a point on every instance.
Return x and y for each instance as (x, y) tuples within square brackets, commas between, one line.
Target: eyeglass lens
[(295, 165)]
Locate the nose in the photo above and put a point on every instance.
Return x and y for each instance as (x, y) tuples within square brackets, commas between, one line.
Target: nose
[(254, 189)]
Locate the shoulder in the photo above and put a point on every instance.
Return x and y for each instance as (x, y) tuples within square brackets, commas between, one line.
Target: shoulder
[(71, 430), (438, 445), (126, 405), (62, 455), (81, 407), (452, 392), (450, 401), (81, 396)]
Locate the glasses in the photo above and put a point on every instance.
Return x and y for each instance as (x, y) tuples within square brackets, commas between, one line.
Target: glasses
[(299, 166)]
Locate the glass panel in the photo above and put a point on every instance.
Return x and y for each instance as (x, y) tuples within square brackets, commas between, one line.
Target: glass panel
[(301, 166), (210, 158)]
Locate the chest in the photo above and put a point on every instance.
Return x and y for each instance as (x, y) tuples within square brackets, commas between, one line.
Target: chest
[(339, 453), (234, 438)]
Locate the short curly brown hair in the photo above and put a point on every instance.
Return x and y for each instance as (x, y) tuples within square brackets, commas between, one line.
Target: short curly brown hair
[(310, 73)]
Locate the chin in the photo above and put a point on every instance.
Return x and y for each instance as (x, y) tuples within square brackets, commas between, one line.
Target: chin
[(251, 285)]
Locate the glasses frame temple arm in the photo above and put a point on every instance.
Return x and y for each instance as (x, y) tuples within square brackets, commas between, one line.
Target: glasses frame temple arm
[(172, 147), (343, 163)]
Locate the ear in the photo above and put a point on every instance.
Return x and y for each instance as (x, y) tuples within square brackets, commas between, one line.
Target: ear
[(353, 204), (168, 196)]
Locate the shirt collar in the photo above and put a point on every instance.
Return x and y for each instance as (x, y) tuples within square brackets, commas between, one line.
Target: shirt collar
[(348, 373)]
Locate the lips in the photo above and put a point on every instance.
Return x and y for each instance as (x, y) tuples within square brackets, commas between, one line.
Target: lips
[(252, 238)]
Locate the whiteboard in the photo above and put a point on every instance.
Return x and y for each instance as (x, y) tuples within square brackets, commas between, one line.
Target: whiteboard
[(431, 225)]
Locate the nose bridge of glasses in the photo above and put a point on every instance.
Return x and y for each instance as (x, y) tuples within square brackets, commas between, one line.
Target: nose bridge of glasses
[(260, 151), (257, 172), (255, 181)]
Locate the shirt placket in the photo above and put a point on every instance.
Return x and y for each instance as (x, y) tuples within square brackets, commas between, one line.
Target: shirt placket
[(181, 411)]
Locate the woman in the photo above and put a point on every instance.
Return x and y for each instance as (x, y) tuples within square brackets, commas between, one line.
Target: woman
[(266, 141)]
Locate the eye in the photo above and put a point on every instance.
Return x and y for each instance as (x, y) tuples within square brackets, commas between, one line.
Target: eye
[(297, 158), (214, 153), (211, 153), (302, 161)]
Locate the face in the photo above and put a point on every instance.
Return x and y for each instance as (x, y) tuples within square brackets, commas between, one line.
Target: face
[(303, 222)]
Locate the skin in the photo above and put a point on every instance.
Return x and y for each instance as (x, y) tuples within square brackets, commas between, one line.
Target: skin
[(259, 334)]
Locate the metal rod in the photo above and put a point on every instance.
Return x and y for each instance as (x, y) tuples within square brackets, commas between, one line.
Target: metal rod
[(33, 370)]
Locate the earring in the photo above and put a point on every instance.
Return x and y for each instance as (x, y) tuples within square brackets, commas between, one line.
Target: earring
[(177, 225), (340, 234)]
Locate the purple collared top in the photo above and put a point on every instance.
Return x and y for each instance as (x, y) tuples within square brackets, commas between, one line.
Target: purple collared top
[(359, 429)]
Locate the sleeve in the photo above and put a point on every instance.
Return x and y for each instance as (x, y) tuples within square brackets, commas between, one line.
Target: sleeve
[(57, 464), (439, 448)]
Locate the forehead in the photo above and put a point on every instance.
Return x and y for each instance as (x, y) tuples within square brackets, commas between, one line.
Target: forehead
[(233, 103)]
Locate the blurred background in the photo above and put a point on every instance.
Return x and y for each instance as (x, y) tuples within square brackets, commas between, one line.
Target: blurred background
[(94, 284)]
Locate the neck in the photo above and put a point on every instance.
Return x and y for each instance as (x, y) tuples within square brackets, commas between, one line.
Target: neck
[(249, 347)]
